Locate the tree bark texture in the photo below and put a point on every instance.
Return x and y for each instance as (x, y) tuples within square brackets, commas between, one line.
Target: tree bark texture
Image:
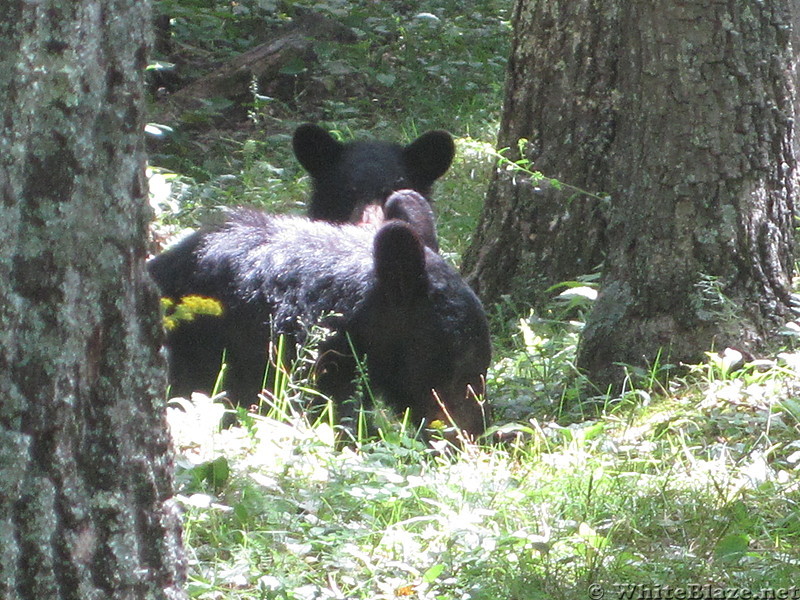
[(85, 463), (700, 229), (561, 97), (681, 114)]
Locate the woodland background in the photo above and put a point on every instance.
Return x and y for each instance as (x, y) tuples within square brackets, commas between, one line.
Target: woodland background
[(686, 475), (679, 478)]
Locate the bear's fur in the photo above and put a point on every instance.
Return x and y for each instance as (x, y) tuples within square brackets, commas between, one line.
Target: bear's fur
[(378, 290), (352, 181), (411, 207)]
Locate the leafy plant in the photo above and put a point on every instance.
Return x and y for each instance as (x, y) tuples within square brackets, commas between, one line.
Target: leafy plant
[(680, 479)]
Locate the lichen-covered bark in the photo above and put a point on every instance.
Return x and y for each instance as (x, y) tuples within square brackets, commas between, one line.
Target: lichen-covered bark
[(561, 97), (85, 465), (700, 231)]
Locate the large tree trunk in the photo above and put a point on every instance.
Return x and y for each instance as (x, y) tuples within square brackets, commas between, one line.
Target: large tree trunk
[(701, 226), (560, 96), (86, 468), (682, 114)]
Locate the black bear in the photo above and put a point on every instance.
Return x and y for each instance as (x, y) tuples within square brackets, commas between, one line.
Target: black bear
[(352, 181), (411, 207), (379, 291)]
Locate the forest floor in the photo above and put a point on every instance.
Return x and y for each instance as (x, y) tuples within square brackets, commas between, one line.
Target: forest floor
[(685, 485)]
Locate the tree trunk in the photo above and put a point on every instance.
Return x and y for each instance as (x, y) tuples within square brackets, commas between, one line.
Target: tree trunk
[(561, 98), (86, 467), (700, 231), (681, 114)]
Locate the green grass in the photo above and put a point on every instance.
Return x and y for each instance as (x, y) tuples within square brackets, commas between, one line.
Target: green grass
[(692, 481), (694, 486), (682, 480)]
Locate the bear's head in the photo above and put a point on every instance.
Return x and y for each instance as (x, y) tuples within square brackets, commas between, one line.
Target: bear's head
[(424, 333), (352, 181)]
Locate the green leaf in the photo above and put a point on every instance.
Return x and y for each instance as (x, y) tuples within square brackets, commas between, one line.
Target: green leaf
[(433, 573), (241, 513), (732, 547), (294, 66), (218, 472)]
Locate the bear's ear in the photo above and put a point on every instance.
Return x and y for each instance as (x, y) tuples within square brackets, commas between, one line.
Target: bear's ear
[(315, 148), (430, 155), (414, 209), (400, 262)]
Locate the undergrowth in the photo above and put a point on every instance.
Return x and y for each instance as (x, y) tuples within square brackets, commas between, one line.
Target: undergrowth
[(686, 480), (688, 483), (693, 485)]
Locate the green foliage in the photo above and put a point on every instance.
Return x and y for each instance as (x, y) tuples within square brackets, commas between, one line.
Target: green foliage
[(689, 476), (674, 482), (686, 489)]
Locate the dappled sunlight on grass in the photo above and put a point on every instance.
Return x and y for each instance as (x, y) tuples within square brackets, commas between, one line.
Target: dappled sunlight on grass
[(699, 484)]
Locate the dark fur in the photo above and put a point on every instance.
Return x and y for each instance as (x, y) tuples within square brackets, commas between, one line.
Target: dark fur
[(411, 207), (350, 179), (402, 305)]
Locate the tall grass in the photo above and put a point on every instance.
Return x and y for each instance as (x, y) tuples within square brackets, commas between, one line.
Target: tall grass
[(678, 482), (695, 486)]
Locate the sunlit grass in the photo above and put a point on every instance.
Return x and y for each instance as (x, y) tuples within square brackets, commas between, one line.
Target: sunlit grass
[(698, 484), (689, 477)]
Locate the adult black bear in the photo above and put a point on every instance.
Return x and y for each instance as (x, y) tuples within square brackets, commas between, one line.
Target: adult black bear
[(352, 181), (378, 290)]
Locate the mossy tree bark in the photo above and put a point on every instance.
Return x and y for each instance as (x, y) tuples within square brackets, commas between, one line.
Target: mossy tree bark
[(85, 464), (682, 114), (701, 226)]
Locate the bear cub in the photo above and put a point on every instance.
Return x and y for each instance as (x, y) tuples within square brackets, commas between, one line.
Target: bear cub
[(352, 181), (381, 292)]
